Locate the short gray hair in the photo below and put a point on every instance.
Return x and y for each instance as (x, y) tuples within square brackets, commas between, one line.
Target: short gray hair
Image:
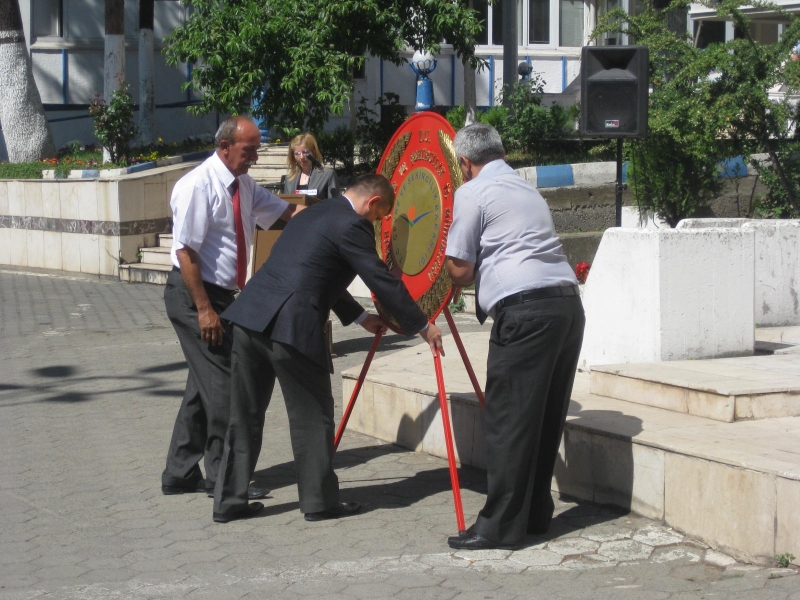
[(480, 143), (228, 128)]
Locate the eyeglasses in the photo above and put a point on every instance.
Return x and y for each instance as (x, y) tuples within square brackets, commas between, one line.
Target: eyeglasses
[(300, 153)]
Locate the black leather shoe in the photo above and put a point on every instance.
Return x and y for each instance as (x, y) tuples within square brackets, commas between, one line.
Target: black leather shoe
[(344, 509), (199, 487), (475, 541), (251, 510), (253, 493)]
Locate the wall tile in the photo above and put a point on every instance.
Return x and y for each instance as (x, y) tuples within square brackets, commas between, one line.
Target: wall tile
[(5, 246), (33, 198), (90, 253), (18, 247), (69, 194), (362, 418), (129, 247), (87, 201), (52, 249), (51, 201), (16, 198), (35, 250), (109, 255), (131, 200), (156, 201), (71, 252), (4, 210)]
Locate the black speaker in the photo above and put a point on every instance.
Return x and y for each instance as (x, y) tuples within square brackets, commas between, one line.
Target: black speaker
[(614, 90)]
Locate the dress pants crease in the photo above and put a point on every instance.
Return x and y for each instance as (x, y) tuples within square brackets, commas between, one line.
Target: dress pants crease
[(199, 430), (256, 362), (533, 354)]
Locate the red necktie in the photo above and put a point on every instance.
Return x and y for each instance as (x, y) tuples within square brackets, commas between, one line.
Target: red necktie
[(241, 251)]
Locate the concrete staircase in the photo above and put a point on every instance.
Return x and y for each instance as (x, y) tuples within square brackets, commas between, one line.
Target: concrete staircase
[(271, 165), (154, 265)]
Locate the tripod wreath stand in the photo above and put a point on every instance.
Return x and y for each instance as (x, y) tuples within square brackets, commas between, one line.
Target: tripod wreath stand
[(448, 435)]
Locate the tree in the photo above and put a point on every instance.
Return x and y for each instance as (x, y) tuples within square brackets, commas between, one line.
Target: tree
[(147, 96), (25, 128), (697, 120), (113, 54), (304, 51)]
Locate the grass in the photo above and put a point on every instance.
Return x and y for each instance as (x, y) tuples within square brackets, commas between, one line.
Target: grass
[(77, 156)]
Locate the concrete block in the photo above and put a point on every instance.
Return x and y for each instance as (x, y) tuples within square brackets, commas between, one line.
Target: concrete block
[(777, 267), (731, 508), (594, 173), (634, 218), (529, 175), (705, 223), (668, 294), (554, 176)]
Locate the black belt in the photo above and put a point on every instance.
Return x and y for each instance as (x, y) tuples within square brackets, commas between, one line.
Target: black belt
[(537, 294)]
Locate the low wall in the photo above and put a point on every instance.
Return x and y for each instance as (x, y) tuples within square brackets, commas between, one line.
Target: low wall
[(85, 225)]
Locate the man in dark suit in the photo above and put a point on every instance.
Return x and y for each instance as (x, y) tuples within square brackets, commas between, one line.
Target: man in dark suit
[(279, 320)]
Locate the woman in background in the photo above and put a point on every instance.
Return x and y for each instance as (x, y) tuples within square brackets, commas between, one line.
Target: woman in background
[(304, 176)]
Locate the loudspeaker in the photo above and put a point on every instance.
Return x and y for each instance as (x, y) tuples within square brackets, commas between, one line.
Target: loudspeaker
[(614, 91)]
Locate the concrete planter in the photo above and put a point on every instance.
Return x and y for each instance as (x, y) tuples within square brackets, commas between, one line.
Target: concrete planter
[(85, 225)]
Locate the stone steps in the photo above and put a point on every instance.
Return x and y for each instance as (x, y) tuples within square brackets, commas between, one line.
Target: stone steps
[(154, 266), (735, 486), (723, 389)]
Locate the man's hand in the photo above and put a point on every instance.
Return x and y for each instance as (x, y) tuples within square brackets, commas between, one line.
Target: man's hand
[(433, 335), (374, 324), (211, 329)]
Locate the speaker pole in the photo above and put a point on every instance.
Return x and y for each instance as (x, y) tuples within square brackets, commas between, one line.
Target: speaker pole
[(619, 183)]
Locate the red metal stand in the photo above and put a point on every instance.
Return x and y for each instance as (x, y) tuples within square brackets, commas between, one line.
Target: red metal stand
[(448, 435)]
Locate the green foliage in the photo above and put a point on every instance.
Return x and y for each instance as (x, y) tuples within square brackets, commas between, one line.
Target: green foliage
[(696, 121), (338, 148), (777, 203), (784, 560), (372, 134), (113, 122), (304, 52), (536, 135), (26, 170)]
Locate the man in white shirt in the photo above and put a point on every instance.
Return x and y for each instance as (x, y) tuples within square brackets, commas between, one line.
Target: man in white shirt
[(215, 210), (503, 239)]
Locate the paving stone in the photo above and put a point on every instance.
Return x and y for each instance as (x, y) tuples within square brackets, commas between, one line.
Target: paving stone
[(718, 559), (625, 550), (104, 390), (570, 546)]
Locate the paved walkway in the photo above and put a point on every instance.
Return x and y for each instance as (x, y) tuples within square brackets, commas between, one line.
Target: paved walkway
[(90, 379)]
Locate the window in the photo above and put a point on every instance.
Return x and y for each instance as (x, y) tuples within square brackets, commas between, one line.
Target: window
[(710, 32), (571, 23), (47, 18), (632, 7), (539, 22)]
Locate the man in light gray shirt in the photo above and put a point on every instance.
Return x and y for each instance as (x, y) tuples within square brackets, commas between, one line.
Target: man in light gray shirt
[(503, 239)]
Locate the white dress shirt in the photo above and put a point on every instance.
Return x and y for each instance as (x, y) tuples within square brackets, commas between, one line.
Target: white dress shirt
[(202, 218)]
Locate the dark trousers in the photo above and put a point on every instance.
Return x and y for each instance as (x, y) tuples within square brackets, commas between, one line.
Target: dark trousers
[(533, 354), (256, 361), (199, 429)]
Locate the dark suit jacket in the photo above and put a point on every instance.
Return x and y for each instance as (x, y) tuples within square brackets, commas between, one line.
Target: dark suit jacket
[(324, 182), (316, 257)]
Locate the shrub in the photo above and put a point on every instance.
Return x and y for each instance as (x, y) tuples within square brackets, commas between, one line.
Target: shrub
[(113, 122), (26, 170)]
